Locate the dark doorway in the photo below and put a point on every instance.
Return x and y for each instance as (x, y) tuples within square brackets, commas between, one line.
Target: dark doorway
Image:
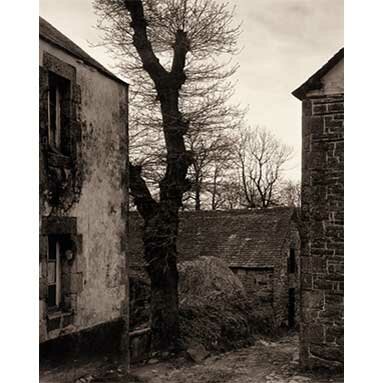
[(291, 314), (291, 262)]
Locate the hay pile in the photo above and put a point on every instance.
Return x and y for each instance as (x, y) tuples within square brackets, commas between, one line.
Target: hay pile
[(213, 305)]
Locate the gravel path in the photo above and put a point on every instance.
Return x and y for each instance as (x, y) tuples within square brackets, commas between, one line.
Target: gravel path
[(264, 362)]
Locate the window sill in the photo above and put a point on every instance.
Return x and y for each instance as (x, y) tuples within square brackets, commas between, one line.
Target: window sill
[(54, 314), (56, 159)]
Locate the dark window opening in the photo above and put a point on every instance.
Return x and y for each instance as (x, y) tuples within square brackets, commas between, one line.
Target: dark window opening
[(58, 246), (54, 272), (52, 239), (52, 296), (291, 262), (58, 113)]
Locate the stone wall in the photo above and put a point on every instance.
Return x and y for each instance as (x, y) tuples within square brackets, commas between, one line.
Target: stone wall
[(322, 236), (90, 215), (258, 284)]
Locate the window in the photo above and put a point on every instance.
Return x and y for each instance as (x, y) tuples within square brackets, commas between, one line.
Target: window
[(291, 262), (54, 271), (60, 280), (58, 112), (60, 255)]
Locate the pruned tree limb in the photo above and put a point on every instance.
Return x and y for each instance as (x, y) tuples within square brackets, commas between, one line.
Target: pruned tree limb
[(143, 199), (181, 48), (141, 42)]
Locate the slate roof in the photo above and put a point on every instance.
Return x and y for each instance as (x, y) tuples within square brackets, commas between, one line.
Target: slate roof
[(243, 238), (314, 82), (53, 36)]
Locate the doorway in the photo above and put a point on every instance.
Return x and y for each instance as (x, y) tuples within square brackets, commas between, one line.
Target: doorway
[(291, 308)]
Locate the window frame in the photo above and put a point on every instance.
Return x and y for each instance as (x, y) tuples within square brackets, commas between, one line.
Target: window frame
[(59, 100), (64, 75), (57, 265), (64, 230)]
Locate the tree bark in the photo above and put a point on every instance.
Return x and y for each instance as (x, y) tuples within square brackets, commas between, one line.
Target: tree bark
[(160, 253), (214, 193), (197, 191)]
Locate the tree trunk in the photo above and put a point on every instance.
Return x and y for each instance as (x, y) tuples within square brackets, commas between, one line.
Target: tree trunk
[(160, 254), (213, 197), (161, 218), (197, 195), (161, 229)]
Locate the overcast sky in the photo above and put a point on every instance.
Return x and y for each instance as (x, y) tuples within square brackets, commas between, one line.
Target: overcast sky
[(284, 42)]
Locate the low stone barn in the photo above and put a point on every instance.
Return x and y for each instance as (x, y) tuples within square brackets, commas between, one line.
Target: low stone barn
[(261, 246), (83, 191), (322, 259)]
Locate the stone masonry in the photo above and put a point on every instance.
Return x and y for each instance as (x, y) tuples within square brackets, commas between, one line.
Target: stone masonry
[(322, 258)]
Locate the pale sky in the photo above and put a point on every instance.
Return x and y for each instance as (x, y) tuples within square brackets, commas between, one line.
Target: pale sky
[(284, 42)]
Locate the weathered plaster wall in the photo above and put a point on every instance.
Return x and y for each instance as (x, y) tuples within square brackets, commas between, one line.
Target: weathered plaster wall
[(322, 221), (97, 273)]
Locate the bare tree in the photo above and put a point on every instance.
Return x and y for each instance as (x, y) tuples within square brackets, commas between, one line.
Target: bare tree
[(212, 152), (260, 160), (211, 118), (225, 192), (290, 194), (166, 43)]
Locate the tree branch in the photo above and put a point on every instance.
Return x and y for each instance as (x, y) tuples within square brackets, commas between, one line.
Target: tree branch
[(181, 48), (141, 42), (142, 198)]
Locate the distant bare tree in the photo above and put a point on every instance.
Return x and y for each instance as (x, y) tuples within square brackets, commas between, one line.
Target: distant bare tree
[(225, 193), (212, 153), (290, 194), (168, 49), (260, 159)]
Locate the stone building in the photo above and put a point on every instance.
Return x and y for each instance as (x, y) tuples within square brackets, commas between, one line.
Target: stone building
[(261, 246), (83, 191), (322, 96)]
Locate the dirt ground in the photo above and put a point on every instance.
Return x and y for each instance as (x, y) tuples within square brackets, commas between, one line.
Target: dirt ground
[(267, 361)]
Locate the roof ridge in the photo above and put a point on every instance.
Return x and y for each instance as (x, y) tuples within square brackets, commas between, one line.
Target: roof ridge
[(51, 34), (314, 81), (235, 212)]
